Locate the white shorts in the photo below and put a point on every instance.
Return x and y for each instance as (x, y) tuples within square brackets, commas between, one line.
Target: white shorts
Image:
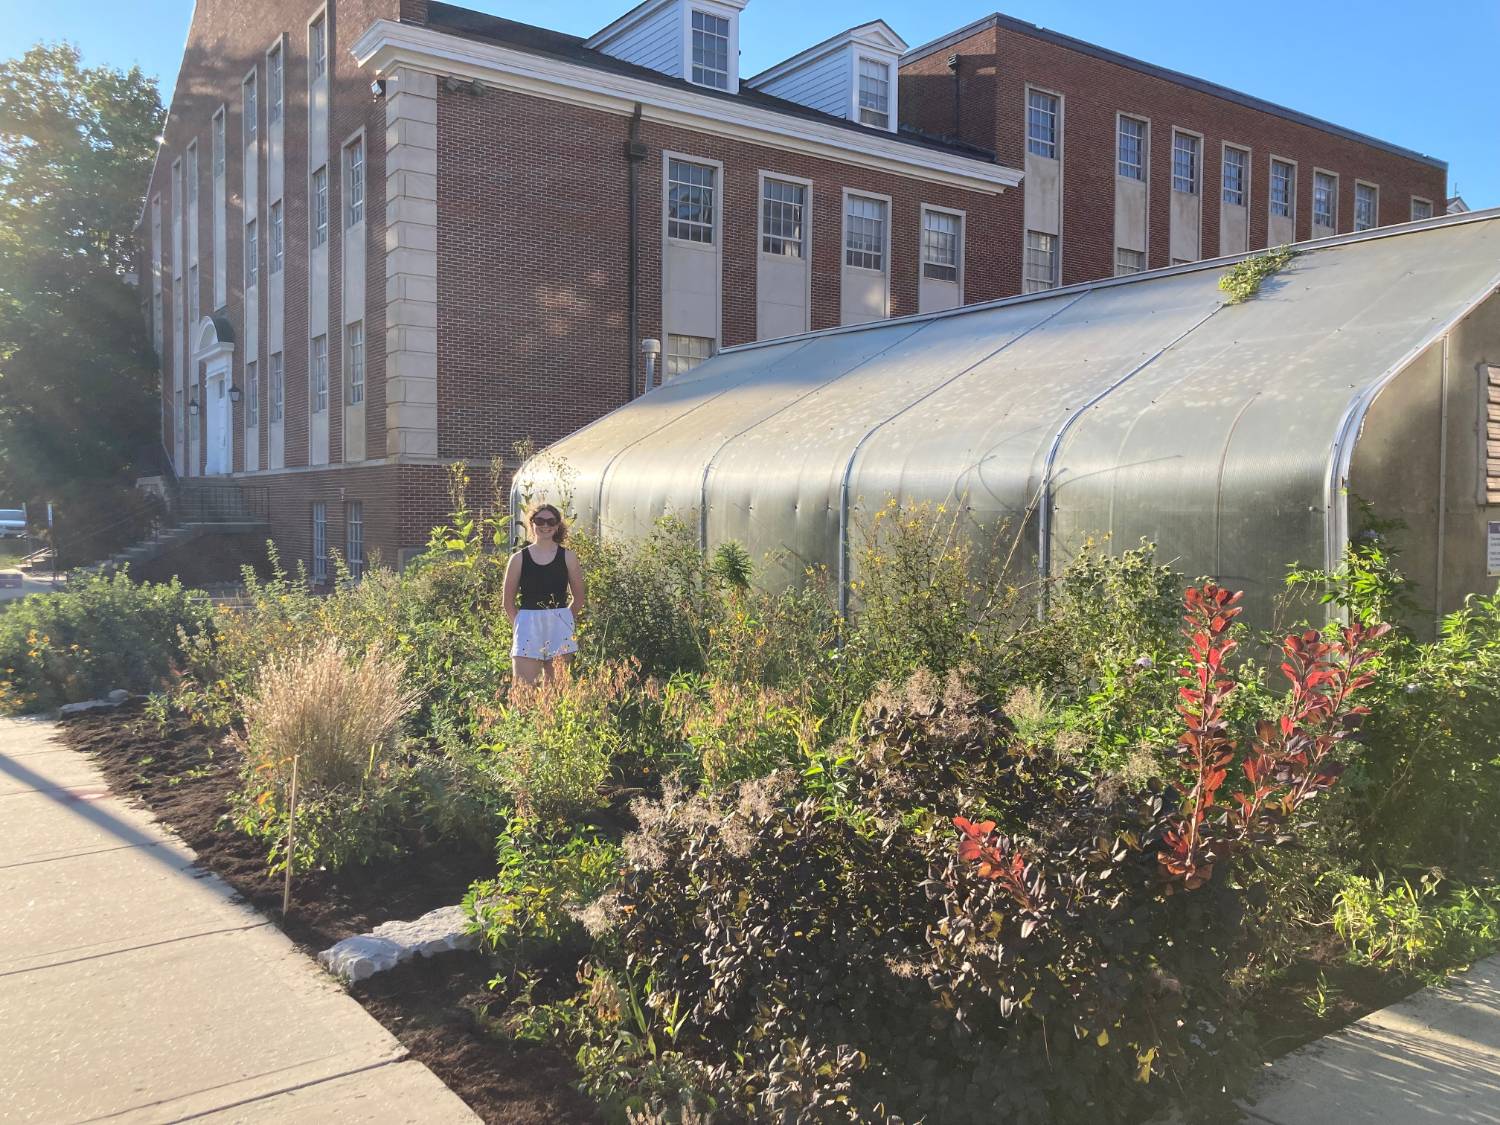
[(541, 634)]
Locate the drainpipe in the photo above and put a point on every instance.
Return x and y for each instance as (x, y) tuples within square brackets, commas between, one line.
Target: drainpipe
[(635, 152)]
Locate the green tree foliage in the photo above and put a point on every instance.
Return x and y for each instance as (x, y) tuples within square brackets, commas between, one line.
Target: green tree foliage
[(77, 373)]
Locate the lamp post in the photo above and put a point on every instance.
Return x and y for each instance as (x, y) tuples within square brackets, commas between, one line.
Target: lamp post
[(650, 349)]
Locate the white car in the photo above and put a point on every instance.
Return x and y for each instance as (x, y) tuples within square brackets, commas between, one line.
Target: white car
[(12, 522)]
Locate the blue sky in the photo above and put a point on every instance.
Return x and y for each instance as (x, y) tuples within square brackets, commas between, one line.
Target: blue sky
[(1417, 76)]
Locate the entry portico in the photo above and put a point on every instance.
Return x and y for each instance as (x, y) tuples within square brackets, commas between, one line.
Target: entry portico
[(213, 349)]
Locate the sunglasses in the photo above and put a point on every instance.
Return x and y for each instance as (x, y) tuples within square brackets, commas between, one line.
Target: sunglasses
[(543, 521)]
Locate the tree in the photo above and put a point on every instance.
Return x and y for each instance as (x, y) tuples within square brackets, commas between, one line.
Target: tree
[(78, 395)]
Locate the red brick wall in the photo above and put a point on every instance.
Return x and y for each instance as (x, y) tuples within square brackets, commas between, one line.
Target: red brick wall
[(532, 334), (998, 63)]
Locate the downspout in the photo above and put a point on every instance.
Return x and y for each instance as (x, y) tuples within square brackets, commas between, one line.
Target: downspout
[(957, 98), (1442, 512), (635, 152)]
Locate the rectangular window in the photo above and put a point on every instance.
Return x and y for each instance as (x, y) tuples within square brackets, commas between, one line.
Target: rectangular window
[(354, 185), (193, 298), (317, 49), (192, 175), (1185, 163), (1129, 261), (273, 85), (354, 538), (252, 112), (942, 234), (1236, 160), (710, 50), (276, 238), (319, 206), (1366, 206), (1420, 208), (219, 144), (277, 388), (685, 353), (864, 233), (320, 542), (1283, 188), (252, 256), (1041, 123), (252, 393), (781, 209), (1041, 261), (690, 201), (354, 344), (1325, 200), (156, 319), (874, 93), (1131, 157), (319, 374)]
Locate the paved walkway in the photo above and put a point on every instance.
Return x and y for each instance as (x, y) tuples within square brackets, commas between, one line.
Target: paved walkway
[(134, 989), (1432, 1058)]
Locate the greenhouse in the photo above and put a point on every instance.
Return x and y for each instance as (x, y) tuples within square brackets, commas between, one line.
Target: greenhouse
[(1240, 438)]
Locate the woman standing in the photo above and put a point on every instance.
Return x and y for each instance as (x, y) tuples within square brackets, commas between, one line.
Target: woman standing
[(538, 580)]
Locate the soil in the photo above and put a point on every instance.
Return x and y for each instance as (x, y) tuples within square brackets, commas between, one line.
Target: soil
[(436, 1007)]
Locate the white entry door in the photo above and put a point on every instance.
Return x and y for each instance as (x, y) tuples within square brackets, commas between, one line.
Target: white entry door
[(219, 422)]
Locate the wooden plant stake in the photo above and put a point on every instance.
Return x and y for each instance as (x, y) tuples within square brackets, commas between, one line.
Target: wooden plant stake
[(291, 840)]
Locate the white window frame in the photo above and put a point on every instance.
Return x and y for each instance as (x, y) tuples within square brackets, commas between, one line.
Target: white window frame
[(194, 293), (354, 538), (1337, 187), (669, 355), (354, 360), (317, 373), (885, 250), (1246, 156), (276, 389), (1376, 216), (1130, 272), (1145, 162), (860, 108), (1291, 190), (731, 15), (320, 541), (276, 90), (250, 107), (1026, 279), (1198, 162), (351, 198), (1413, 211), (317, 65), (716, 222), (252, 253), (807, 203), (1057, 123), (317, 208), (276, 231), (252, 394), (963, 231), (219, 144)]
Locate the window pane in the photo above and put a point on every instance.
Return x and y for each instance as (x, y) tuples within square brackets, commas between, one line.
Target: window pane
[(710, 50), (1041, 261), (1234, 177), (690, 201), (1421, 209), (278, 389), (320, 542), (320, 374), (355, 337), (781, 209), (354, 193), (1132, 146), (874, 93), (1366, 207), (219, 143), (354, 528), (864, 233), (1041, 123), (1185, 163), (317, 49), (320, 206), (1325, 200), (273, 81), (940, 239), (685, 353), (1129, 261), (1281, 188), (276, 242), (251, 112), (252, 255)]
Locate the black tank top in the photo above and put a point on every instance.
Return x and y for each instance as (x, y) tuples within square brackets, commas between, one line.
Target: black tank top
[(542, 587)]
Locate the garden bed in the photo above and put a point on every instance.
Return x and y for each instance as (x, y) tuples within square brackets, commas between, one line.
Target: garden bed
[(184, 775)]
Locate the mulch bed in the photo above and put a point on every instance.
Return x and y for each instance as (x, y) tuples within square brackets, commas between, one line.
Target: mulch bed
[(435, 1007)]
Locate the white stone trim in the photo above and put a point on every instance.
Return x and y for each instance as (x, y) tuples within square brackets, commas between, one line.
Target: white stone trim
[(387, 45)]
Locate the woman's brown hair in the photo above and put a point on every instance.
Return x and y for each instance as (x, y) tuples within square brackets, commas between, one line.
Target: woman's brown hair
[(560, 536)]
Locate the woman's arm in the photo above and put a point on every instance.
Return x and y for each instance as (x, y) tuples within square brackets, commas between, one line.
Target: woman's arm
[(576, 584), (512, 583)]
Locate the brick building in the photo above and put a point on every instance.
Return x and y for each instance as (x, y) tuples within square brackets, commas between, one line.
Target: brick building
[(1130, 166), (385, 235)]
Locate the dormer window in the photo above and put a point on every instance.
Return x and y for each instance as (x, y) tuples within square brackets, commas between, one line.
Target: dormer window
[(710, 50), (874, 93)]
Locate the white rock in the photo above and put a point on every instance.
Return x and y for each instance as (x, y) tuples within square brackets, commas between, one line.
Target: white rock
[(119, 695), (362, 956), (391, 943)]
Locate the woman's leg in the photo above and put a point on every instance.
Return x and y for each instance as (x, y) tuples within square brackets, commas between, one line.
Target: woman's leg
[(558, 667), (527, 670)]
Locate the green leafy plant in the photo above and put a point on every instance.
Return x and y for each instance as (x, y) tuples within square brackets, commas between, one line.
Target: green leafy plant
[(1422, 929), (1244, 280)]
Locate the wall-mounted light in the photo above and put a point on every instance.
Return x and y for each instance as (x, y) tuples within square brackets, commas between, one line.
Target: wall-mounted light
[(234, 394), (193, 407), (377, 88)]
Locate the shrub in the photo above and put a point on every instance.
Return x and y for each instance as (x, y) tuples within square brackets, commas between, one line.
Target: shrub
[(336, 720), (736, 732), (96, 635), (1416, 929)]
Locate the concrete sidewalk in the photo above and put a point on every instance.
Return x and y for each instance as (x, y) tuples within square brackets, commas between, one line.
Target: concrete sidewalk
[(1434, 1057), (133, 988)]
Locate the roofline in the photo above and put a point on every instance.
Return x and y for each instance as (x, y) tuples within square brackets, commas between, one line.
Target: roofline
[(166, 118), (817, 50), (619, 23), (1202, 85), (1391, 231), (387, 43)]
